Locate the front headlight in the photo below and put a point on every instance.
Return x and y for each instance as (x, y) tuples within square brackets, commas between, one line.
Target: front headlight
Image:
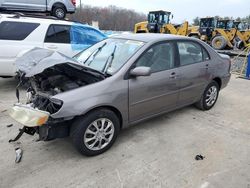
[(29, 116)]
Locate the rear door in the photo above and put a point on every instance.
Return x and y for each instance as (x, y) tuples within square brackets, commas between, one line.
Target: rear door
[(157, 93), (194, 75), (58, 38)]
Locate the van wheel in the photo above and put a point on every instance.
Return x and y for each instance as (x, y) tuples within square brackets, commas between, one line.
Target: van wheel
[(95, 132), (59, 11), (209, 97)]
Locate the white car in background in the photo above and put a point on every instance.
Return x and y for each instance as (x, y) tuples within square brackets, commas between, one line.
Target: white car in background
[(19, 34)]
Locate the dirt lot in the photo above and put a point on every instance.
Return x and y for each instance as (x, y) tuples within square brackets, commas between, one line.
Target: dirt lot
[(156, 153)]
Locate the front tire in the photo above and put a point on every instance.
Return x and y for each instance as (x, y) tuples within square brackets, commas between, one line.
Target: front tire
[(209, 97), (95, 132)]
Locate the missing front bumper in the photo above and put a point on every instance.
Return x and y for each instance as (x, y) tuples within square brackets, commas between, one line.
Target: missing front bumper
[(38, 121)]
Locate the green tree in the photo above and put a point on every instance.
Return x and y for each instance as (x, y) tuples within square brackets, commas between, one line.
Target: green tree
[(196, 21)]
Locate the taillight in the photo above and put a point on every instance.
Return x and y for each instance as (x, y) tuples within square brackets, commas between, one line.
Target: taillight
[(73, 2)]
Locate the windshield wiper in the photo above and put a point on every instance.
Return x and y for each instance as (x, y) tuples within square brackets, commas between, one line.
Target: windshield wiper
[(109, 63), (94, 53)]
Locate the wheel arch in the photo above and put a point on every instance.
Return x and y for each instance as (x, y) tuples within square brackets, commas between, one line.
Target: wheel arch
[(218, 81), (111, 108), (58, 4)]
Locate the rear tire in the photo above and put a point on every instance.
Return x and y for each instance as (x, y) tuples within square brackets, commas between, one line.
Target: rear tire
[(209, 97), (59, 11), (219, 42), (95, 132)]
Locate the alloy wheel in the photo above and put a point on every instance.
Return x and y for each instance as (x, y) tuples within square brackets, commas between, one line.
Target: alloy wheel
[(99, 134), (211, 95)]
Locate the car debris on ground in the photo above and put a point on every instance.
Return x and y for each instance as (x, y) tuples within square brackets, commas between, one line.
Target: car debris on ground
[(19, 154), (9, 125), (199, 157)]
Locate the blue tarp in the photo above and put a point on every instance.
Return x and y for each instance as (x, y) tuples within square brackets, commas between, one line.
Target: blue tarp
[(83, 36)]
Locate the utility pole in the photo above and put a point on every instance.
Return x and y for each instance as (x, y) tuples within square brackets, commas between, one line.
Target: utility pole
[(80, 6)]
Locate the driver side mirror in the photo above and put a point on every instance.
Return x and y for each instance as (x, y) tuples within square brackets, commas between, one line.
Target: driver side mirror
[(140, 71)]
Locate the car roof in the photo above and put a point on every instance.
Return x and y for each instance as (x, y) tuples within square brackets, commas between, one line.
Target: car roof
[(149, 37), (41, 20)]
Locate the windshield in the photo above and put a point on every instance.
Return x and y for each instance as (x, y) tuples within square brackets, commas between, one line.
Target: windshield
[(207, 22), (225, 24), (158, 18), (109, 55)]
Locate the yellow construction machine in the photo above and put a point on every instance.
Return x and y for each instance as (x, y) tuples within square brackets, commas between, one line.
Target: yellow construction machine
[(159, 22), (224, 34), (218, 33), (242, 38)]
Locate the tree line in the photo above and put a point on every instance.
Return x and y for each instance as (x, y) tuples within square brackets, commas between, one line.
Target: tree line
[(109, 18), (120, 19)]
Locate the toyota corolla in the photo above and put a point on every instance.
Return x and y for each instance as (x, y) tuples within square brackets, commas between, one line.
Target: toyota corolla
[(115, 83)]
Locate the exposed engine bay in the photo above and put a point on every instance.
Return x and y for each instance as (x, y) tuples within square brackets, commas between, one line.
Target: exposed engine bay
[(57, 79), (47, 73)]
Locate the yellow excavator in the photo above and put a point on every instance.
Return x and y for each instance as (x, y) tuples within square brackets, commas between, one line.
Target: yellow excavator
[(159, 22)]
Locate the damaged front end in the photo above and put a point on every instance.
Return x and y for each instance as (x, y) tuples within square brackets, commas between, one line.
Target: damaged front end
[(47, 74)]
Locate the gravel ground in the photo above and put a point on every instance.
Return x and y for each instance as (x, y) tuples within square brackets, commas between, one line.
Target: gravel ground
[(156, 153)]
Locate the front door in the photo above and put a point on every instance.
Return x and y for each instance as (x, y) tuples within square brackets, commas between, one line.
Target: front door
[(35, 5), (151, 95), (14, 4)]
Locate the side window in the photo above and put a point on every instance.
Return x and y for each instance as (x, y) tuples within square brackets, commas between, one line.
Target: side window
[(190, 52), (58, 34), (206, 56), (8, 30), (84, 35), (159, 57)]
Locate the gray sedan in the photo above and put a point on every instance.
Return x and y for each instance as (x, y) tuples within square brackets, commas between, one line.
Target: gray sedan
[(116, 83)]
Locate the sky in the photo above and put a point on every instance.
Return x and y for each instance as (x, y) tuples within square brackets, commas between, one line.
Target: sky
[(183, 10)]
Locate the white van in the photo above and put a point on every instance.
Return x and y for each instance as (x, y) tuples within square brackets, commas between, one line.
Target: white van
[(19, 34)]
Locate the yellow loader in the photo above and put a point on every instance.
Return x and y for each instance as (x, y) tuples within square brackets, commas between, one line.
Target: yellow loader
[(159, 22), (224, 34), (242, 35), (218, 33)]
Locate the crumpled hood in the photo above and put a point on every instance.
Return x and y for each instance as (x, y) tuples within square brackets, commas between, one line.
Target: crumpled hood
[(37, 60)]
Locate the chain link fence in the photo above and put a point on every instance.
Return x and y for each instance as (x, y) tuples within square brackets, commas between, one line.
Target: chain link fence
[(239, 65)]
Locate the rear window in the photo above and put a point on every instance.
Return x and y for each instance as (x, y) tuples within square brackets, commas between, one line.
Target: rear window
[(58, 34), (16, 30)]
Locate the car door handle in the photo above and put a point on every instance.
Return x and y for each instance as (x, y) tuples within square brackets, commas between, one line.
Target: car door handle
[(52, 47), (207, 65), (173, 75)]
